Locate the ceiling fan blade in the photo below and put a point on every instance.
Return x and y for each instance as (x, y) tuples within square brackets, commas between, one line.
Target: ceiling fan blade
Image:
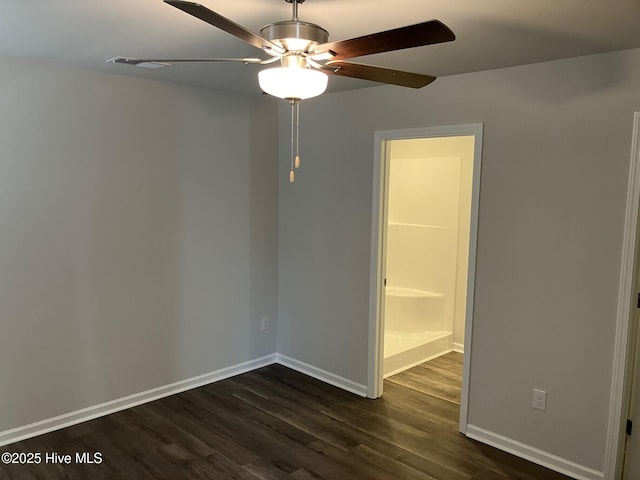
[(378, 74), (426, 33), (203, 13), (168, 61)]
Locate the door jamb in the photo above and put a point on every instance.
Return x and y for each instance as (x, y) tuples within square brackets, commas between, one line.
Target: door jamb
[(622, 361), (378, 260)]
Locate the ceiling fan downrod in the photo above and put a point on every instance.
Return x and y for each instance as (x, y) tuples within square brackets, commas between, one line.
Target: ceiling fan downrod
[(295, 8)]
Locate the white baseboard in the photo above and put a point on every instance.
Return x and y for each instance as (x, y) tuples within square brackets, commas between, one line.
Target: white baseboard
[(540, 457), (322, 375), (79, 416), (458, 347)]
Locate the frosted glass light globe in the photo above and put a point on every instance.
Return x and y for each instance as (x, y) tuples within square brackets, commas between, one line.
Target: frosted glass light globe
[(292, 83)]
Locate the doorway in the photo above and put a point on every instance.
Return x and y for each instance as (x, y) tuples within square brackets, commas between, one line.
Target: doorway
[(427, 249), (623, 356), (623, 459), (424, 226)]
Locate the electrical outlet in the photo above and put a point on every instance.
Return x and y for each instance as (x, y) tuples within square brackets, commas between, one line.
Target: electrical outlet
[(539, 399), (265, 323)]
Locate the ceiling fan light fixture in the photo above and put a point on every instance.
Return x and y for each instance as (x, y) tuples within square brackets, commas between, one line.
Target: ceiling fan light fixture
[(292, 83), (300, 46)]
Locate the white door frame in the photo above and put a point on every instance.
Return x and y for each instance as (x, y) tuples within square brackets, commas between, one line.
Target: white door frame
[(623, 348), (378, 250)]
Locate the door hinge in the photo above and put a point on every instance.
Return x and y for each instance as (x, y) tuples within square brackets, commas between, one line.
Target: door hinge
[(629, 426), (638, 304), (385, 284)]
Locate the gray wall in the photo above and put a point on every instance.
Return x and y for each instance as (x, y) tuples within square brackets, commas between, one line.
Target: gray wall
[(138, 236), (554, 175)]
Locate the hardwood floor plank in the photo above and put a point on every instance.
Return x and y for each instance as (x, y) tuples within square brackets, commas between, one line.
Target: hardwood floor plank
[(219, 466), (305, 419), (363, 466), (436, 386), (266, 471), (392, 466), (439, 377), (342, 435), (18, 472), (133, 445), (303, 474), (394, 461), (271, 437), (232, 401), (208, 436)]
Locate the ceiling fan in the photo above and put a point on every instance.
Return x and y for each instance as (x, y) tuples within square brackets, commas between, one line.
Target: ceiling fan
[(306, 56), (303, 48)]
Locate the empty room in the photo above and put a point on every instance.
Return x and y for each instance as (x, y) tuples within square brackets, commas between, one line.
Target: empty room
[(289, 239)]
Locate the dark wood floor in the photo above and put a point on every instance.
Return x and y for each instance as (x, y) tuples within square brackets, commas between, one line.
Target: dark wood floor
[(275, 423)]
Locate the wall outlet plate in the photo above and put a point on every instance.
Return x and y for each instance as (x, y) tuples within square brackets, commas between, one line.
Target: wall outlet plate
[(539, 399), (265, 323)]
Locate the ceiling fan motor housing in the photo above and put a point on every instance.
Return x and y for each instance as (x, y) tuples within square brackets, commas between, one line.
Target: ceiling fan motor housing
[(295, 35)]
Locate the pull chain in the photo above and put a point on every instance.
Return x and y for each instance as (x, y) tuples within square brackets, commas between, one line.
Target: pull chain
[(297, 161), (292, 175)]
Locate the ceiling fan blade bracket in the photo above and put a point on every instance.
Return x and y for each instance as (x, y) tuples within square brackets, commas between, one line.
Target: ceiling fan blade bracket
[(323, 66), (323, 55), (270, 60), (272, 51), (319, 66)]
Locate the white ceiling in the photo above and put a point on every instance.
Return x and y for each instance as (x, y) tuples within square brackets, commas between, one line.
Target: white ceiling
[(490, 33)]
